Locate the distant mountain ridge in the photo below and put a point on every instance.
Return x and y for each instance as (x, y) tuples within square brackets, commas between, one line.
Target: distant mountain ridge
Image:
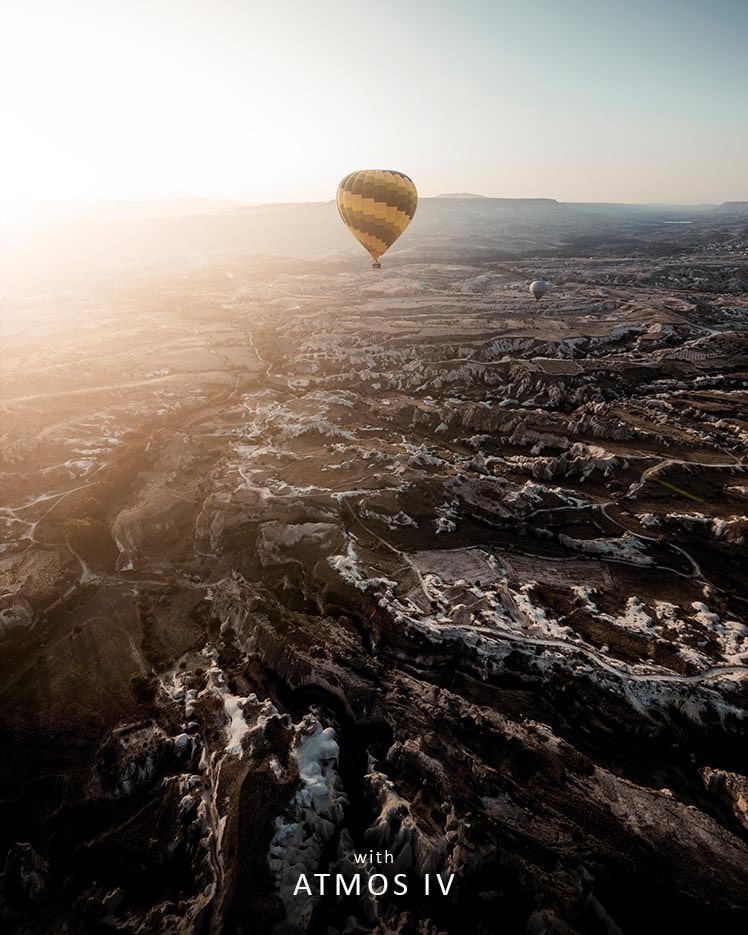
[(736, 208), (461, 227)]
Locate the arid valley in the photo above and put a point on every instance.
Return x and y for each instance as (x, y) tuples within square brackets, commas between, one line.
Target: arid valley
[(301, 559)]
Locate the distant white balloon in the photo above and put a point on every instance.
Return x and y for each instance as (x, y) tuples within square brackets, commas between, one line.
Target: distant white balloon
[(538, 289)]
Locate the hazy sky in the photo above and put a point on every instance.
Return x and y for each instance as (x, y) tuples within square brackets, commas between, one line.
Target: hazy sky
[(637, 100)]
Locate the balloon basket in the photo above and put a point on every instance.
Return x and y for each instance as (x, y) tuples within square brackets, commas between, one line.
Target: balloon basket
[(376, 265)]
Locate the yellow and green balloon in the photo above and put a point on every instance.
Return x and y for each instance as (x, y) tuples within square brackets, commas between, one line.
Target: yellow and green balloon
[(376, 205)]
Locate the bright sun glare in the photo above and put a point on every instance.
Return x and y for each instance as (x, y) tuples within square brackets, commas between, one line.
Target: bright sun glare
[(263, 101), (102, 109)]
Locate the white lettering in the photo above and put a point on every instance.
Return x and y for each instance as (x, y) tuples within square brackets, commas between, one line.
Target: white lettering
[(374, 857), (449, 885), (372, 878), (355, 884), (302, 882), (321, 877)]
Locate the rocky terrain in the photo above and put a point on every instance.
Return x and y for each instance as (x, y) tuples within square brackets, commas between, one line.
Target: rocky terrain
[(303, 563)]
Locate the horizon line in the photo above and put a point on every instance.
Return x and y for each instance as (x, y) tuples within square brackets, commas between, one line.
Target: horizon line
[(240, 202)]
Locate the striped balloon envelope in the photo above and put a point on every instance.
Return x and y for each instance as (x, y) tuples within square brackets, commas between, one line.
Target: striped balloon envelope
[(376, 206)]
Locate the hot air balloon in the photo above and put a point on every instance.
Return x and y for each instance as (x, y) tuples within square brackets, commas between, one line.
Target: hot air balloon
[(376, 205), (538, 289)]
